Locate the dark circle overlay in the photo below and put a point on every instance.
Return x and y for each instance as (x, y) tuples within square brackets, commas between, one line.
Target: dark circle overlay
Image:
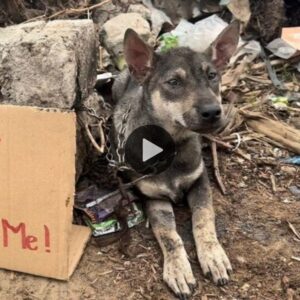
[(134, 149)]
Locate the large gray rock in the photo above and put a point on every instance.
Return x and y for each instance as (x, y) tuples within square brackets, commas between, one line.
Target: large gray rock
[(52, 65), (114, 30), (47, 64)]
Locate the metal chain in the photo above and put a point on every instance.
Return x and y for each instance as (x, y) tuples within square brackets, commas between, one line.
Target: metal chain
[(105, 126), (120, 151), (118, 164)]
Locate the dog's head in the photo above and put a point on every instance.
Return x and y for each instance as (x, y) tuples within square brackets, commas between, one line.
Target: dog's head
[(181, 85)]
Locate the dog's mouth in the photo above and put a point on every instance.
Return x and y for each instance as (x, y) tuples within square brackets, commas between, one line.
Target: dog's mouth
[(212, 127), (205, 128)]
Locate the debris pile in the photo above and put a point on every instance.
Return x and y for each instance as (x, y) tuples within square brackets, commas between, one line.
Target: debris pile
[(260, 85), (259, 146)]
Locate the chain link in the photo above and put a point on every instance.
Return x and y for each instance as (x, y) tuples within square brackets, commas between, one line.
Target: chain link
[(120, 163), (105, 123)]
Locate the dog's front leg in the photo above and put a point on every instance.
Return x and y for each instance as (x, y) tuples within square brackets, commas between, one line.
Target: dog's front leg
[(177, 269), (211, 255)]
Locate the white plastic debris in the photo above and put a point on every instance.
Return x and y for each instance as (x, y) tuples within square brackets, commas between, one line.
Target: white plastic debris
[(200, 35), (288, 44), (251, 48), (281, 48)]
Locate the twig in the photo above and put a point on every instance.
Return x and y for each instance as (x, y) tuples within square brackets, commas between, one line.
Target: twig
[(70, 11), (216, 167), (294, 230), (251, 105), (79, 10), (227, 146), (273, 183), (100, 149), (258, 79), (295, 258), (102, 135), (213, 139), (293, 109), (241, 153)]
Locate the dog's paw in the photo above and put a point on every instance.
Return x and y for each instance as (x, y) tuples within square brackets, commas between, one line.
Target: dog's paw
[(178, 274), (214, 262)]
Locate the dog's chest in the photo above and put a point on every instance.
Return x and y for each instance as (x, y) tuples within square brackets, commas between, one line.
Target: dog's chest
[(169, 184)]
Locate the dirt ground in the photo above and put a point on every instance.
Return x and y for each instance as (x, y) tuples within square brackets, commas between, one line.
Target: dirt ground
[(252, 226)]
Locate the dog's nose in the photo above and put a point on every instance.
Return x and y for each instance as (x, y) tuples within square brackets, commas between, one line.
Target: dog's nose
[(211, 112)]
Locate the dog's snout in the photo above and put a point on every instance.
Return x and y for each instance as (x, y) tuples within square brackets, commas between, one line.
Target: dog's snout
[(211, 112)]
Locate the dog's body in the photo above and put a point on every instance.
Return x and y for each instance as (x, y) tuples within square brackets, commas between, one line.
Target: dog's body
[(178, 91)]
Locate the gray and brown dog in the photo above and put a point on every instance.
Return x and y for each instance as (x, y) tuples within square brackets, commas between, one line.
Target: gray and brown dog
[(180, 92)]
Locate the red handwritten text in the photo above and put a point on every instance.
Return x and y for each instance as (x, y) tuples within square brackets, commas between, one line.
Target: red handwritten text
[(29, 242)]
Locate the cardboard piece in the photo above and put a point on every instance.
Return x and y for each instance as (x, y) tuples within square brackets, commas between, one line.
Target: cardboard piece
[(37, 184), (291, 35)]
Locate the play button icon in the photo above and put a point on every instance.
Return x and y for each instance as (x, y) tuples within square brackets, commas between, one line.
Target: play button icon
[(149, 149)]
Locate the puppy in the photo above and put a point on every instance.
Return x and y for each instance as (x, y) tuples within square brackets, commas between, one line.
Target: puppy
[(179, 91)]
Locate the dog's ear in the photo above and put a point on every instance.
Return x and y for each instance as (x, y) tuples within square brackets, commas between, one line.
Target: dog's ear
[(225, 45), (138, 55)]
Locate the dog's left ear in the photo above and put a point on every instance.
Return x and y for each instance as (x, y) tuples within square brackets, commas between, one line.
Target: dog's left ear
[(138, 55), (225, 45)]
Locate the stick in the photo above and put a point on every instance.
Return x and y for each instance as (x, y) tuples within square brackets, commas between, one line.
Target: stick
[(100, 149), (78, 10), (296, 233), (216, 167), (70, 11), (227, 146), (213, 139), (277, 131), (273, 183)]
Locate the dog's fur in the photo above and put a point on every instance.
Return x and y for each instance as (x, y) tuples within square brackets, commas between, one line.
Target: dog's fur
[(179, 91)]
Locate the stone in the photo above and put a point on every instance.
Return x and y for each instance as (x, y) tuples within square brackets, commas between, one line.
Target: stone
[(53, 64), (289, 170), (113, 31), (140, 9), (104, 61), (105, 12), (48, 64)]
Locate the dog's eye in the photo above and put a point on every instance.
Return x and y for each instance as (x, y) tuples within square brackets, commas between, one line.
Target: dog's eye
[(173, 82), (211, 75)]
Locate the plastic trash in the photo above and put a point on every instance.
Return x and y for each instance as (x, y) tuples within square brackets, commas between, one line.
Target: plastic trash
[(134, 217), (292, 160), (279, 102), (281, 48), (288, 45), (197, 36), (295, 190)]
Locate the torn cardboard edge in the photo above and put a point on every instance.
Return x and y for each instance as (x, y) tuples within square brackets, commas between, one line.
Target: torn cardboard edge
[(37, 183)]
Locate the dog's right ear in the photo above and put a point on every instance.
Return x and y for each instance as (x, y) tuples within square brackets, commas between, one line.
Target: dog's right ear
[(138, 55), (225, 45)]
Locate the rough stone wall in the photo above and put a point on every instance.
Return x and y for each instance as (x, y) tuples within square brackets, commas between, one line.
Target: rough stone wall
[(47, 64), (51, 65)]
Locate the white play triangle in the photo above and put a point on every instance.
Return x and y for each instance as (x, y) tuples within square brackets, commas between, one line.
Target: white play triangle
[(150, 150)]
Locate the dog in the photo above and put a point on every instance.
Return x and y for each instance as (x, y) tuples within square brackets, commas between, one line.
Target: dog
[(179, 91)]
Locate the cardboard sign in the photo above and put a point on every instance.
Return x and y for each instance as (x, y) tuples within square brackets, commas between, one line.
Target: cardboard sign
[(37, 182)]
